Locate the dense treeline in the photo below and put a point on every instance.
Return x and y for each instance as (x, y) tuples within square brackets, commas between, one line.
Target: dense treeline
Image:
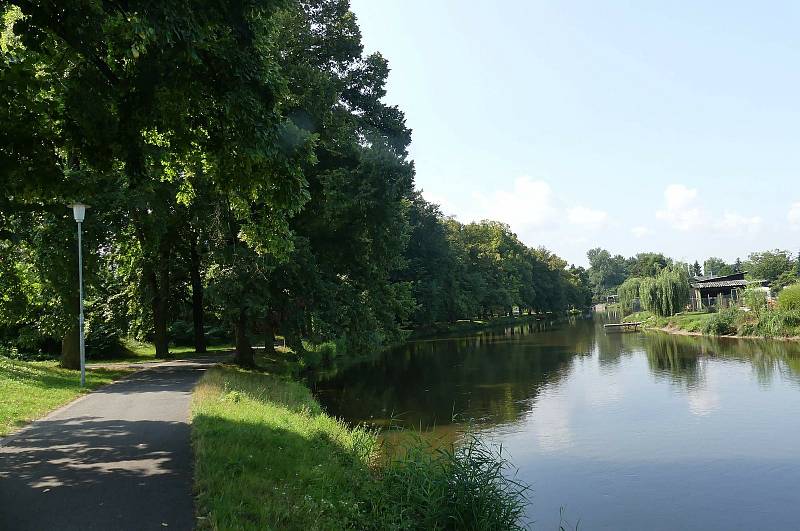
[(608, 273), (460, 271), (245, 179)]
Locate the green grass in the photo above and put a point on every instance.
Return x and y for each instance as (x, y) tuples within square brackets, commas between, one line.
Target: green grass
[(768, 322), (140, 352), (30, 389), (687, 321), (268, 457)]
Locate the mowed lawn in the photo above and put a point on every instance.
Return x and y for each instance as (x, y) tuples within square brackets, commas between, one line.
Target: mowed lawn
[(30, 389), (133, 351)]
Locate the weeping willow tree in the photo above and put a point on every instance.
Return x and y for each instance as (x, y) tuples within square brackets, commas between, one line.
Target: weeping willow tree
[(667, 293), (628, 292), (647, 293)]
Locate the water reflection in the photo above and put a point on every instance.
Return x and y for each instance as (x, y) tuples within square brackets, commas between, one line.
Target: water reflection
[(494, 377), (683, 359), (489, 377), (609, 425)]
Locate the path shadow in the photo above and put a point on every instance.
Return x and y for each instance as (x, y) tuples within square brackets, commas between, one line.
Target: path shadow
[(100, 465)]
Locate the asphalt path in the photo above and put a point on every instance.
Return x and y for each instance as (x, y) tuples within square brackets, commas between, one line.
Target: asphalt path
[(117, 458)]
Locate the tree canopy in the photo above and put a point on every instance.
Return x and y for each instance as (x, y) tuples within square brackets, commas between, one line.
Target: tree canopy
[(245, 177)]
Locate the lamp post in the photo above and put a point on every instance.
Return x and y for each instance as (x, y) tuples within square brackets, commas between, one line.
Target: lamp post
[(79, 212)]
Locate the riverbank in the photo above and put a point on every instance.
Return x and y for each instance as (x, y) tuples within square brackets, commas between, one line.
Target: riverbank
[(31, 389), (730, 322), (475, 325), (267, 456)]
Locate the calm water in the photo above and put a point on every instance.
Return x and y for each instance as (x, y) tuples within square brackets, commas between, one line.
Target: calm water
[(625, 431)]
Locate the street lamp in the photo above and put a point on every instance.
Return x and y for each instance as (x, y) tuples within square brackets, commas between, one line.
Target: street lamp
[(79, 212)]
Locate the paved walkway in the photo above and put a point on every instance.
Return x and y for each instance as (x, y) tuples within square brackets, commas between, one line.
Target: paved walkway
[(118, 458)]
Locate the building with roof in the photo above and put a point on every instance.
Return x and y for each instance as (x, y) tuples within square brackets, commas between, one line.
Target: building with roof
[(725, 286)]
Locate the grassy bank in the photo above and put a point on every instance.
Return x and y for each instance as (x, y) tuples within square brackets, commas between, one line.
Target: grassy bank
[(766, 323), (687, 322), (30, 389), (268, 457)]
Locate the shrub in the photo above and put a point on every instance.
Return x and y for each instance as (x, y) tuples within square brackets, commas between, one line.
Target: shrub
[(181, 332), (102, 340), (462, 488), (789, 298), (755, 299), (722, 323)]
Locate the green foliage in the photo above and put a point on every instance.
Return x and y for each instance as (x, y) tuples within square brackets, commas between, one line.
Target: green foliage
[(628, 292), (606, 272), (647, 264), (789, 298), (246, 176), (717, 267), (666, 294), (755, 299), (723, 322), (772, 323), (771, 266), (647, 293), (445, 488), (322, 474)]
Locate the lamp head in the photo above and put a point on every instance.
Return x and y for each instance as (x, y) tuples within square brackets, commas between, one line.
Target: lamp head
[(79, 211)]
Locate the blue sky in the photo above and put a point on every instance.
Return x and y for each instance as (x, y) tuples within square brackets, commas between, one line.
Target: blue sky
[(634, 126)]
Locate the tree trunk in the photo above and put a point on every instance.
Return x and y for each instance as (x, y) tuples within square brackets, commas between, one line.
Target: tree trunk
[(70, 348), (244, 351), (155, 271), (198, 316), (158, 307)]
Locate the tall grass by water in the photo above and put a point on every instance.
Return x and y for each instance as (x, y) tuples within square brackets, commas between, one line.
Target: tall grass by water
[(268, 457)]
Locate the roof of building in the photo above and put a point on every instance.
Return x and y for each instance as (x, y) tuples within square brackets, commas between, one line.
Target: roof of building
[(721, 284), (719, 278)]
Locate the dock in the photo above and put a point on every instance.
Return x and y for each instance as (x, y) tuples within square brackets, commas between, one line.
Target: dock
[(623, 327)]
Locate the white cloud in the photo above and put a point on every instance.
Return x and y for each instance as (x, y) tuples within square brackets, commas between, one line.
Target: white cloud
[(733, 222), (587, 217), (793, 217), (445, 206), (530, 203), (680, 208), (640, 231)]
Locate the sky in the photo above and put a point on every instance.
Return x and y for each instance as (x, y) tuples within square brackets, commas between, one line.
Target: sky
[(632, 126)]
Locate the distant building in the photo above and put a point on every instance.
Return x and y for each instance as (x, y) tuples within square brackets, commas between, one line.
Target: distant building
[(725, 286)]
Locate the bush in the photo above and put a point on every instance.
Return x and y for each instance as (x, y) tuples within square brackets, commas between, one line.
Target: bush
[(182, 332), (723, 323), (789, 298), (102, 340), (755, 299), (465, 488)]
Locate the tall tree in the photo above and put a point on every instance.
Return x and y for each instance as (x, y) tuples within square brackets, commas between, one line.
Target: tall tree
[(717, 267)]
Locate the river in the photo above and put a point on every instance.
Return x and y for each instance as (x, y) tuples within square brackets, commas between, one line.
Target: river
[(621, 431)]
